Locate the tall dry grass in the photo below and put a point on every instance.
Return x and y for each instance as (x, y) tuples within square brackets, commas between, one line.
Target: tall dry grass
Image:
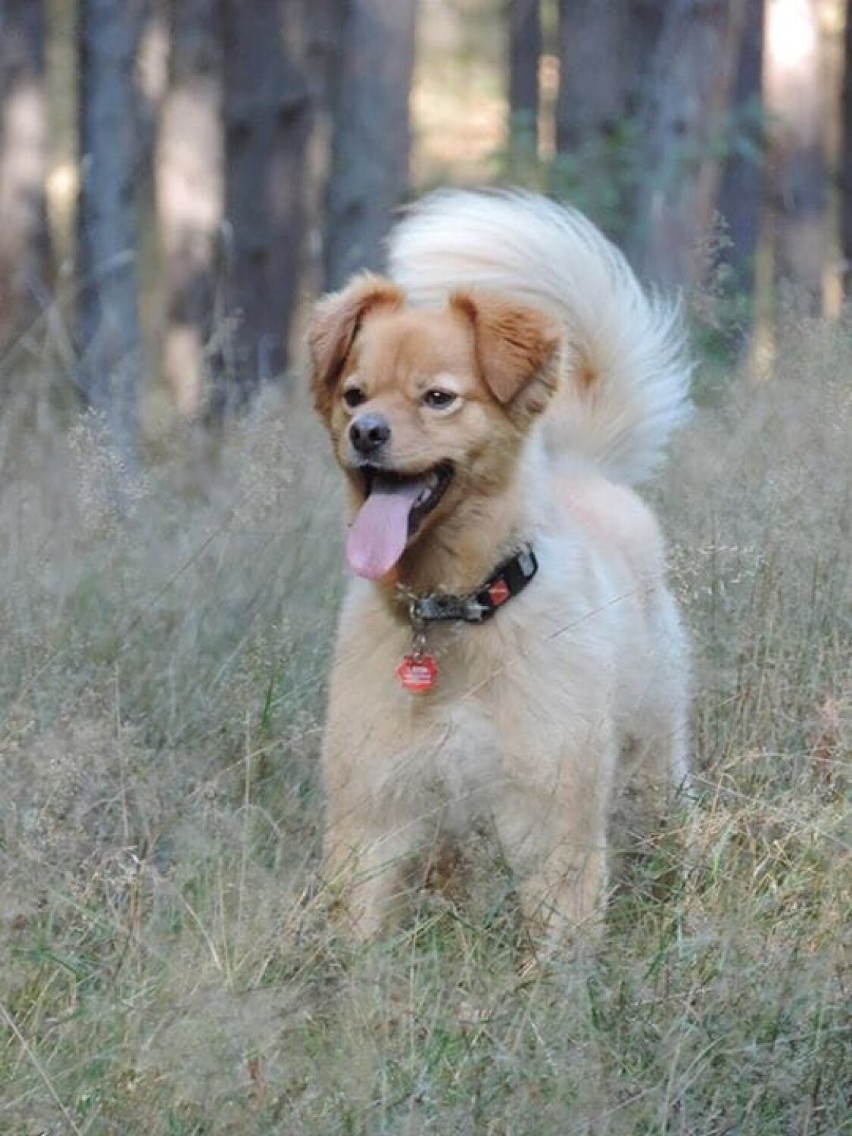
[(166, 967)]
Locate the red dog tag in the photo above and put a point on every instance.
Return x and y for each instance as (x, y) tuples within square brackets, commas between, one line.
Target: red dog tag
[(417, 673), (499, 593)]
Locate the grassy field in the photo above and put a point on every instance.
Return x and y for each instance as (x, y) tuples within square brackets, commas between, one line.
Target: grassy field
[(166, 967)]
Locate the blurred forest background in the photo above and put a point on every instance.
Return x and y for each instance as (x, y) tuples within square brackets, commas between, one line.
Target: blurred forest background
[(176, 179)]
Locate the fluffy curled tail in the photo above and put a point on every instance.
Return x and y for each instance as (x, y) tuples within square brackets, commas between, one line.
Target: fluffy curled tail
[(624, 374)]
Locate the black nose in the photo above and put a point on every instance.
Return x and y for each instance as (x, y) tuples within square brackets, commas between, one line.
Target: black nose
[(369, 433)]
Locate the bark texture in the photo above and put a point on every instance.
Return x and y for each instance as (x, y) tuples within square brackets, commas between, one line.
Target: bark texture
[(743, 186), (592, 50), (370, 151), (846, 154), (268, 114), (605, 56), (525, 46), (108, 320), (693, 78)]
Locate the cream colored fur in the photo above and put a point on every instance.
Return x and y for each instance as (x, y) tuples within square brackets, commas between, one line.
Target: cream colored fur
[(553, 258), (573, 697)]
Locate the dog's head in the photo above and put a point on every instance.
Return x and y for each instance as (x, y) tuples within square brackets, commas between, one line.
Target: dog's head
[(425, 408)]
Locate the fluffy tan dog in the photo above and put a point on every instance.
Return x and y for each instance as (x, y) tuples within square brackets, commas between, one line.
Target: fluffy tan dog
[(508, 654)]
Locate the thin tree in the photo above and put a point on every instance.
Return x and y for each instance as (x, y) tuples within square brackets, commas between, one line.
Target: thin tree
[(793, 72), (642, 28), (592, 49), (846, 155), (268, 113), (742, 189), (108, 318), (324, 30), (190, 193), (525, 45), (685, 129), (605, 55), (323, 48), (24, 239), (370, 149)]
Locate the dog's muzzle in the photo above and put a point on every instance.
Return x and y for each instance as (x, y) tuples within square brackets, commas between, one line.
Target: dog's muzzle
[(368, 433)]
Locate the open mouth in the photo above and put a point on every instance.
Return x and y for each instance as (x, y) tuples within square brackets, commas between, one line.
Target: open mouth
[(395, 506), (424, 490)]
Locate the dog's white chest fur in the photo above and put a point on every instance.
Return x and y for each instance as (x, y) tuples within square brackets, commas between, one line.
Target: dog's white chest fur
[(463, 771)]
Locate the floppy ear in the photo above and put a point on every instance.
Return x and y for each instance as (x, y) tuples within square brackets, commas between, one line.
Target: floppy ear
[(515, 349), (334, 325)]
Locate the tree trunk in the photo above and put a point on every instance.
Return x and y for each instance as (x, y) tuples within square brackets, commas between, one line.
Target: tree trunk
[(799, 191), (643, 27), (324, 29), (268, 109), (370, 150), (190, 194), (605, 54), (24, 239), (324, 60), (693, 79), (741, 193), (592, 97), (524, 57), (846, 155), (108, 317)]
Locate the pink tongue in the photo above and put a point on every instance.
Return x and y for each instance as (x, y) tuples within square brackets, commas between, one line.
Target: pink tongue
[(379, 533)]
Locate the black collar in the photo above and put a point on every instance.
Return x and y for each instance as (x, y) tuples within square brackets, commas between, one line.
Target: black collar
[(507, 580)]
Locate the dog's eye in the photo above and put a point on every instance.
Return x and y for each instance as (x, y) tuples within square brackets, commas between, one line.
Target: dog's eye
[(438, 399), (354, 396)]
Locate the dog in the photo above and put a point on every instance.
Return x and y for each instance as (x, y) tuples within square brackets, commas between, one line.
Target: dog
[(509, 655)]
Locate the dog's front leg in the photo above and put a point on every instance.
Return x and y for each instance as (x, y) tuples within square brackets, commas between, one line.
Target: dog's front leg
[(374, 831), (555, 841), (369, 862)]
